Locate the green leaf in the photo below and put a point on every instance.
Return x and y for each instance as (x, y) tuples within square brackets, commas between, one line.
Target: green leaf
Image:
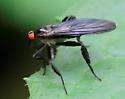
[(107, 53)]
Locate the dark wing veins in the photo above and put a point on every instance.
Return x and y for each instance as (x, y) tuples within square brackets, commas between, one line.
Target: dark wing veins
[(73, 28), (84, 26)]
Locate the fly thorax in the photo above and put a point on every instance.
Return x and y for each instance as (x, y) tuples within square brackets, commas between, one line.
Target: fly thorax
[(52, 41), (48, 41)]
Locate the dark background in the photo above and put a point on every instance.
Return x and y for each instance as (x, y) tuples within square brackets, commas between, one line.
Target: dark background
[(15, 61), (16, 19)]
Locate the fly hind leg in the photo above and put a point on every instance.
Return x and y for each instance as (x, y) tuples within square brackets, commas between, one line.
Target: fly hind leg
[(85, 55), (84, 52)]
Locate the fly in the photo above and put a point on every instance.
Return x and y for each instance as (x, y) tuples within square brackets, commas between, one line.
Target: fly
[(53, 36)]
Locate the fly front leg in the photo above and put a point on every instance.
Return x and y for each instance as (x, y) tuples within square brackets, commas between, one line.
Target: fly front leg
[(39, 55), (55, 69), (85, 55)]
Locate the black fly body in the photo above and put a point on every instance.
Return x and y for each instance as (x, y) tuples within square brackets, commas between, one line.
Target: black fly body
[(53, 36)]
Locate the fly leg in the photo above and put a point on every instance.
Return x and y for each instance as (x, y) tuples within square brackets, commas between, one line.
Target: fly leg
[(69, 43), (39, 56), (44, 68), (85, 55), (55, 69), (84, 52), (67, 18)]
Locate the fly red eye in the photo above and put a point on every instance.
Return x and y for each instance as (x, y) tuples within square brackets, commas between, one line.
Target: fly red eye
[(31, 35)]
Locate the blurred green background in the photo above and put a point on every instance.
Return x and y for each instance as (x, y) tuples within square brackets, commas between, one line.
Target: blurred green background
[(107, 51)]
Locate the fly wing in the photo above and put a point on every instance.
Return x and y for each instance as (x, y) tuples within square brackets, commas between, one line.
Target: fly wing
[(82, 26)]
